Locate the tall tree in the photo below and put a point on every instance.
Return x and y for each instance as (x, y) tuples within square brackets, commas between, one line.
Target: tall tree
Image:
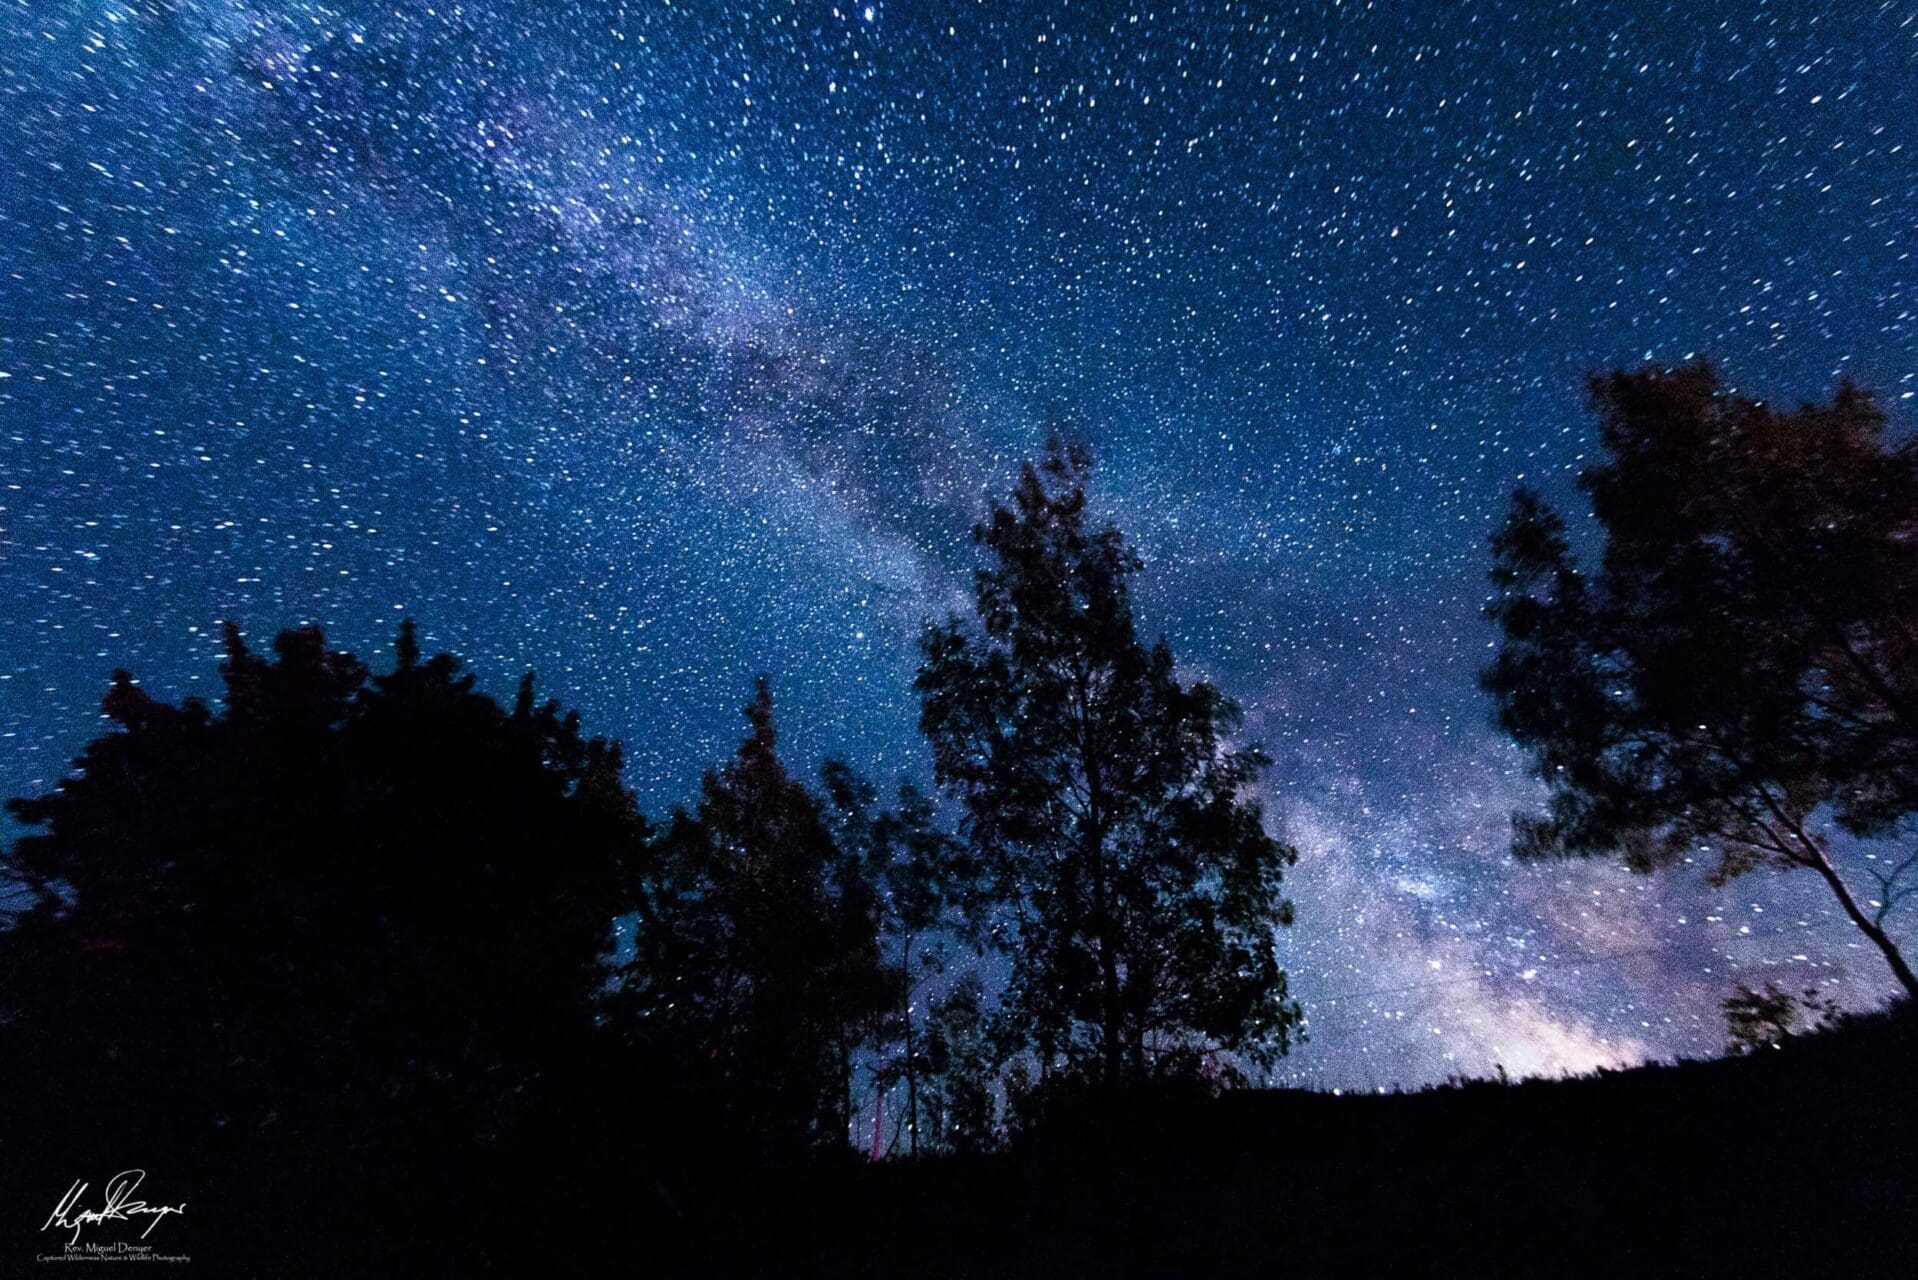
[(1139, 888), (757, 952), (1741, 676)]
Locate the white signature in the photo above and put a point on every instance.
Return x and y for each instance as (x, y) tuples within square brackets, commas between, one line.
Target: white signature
[(119, 1206)]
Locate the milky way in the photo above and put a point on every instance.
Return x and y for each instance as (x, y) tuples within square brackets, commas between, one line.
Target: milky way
[(651, 346)]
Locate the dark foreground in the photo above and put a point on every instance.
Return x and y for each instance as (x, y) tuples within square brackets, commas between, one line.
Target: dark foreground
[(1798, 1161)]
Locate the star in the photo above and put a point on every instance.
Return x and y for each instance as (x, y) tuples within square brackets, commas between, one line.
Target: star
[(653, 348)]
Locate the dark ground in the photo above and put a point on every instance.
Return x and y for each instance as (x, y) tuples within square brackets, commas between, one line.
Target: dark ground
[(1798, 1161)]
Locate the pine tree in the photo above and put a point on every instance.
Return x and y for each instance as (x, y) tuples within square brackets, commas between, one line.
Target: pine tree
[(757, 958)]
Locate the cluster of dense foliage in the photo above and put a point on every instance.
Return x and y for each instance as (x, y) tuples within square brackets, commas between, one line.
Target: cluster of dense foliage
[(1740, 677), (1107, 812), (338, 903), (372, 921), (346, 912)]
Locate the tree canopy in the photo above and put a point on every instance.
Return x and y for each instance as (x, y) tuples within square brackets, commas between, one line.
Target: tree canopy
[(335, 905), (1117, 829), (1740, 677), (757, 963)]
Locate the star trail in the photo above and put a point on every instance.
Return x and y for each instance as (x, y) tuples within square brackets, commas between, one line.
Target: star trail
[(654, 345)]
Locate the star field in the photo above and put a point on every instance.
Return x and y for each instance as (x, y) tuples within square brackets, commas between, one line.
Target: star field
[(654, 345)]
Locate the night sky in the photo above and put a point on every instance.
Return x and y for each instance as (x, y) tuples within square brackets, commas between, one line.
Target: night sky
[(655, 345)]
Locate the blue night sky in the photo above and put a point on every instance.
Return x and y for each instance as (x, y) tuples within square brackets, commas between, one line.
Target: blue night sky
[(654, 345)]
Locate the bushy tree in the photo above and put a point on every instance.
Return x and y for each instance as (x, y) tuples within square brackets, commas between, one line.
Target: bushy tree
[(328, 914), (1122, 850), (757, 961), (1742, 672)]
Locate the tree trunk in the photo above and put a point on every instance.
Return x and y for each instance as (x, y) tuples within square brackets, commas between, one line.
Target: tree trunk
[(1108, 964), (1093, 838), (1878, 936), (912, 1063)]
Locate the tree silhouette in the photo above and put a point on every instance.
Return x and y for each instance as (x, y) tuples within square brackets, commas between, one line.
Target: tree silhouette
[(1765, 1019), (1746, 660), (334, 913), (962, 1064), (757, 959), (1138, 886), (930, 904)]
